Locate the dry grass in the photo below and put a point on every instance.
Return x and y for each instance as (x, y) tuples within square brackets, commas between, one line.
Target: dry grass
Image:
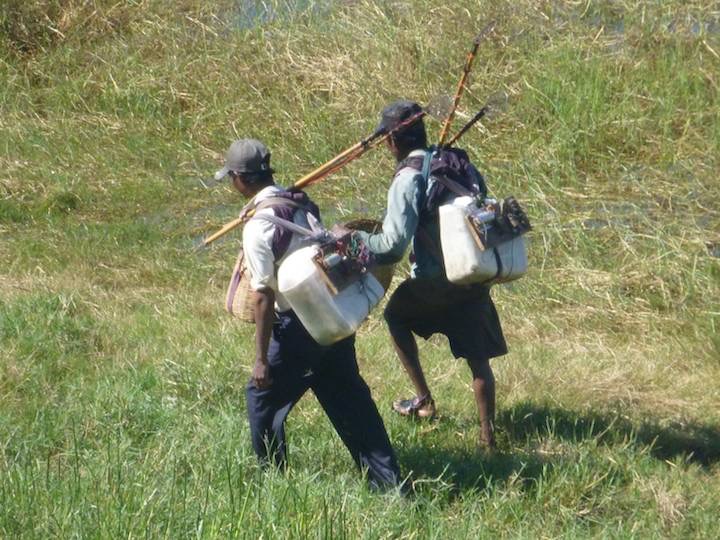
[(121, 381)]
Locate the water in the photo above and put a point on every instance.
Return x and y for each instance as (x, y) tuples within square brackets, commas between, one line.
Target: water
[(612, 21), (713, 249), (594, 224), (247, 14), (694, 27)]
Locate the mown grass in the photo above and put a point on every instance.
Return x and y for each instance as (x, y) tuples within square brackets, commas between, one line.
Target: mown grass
[(121, 381)]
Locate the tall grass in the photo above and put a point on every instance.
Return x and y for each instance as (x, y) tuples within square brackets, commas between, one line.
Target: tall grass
[(121, 382)]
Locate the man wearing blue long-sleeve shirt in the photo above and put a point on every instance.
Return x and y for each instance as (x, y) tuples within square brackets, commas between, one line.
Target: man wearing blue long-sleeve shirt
[(427, 303)]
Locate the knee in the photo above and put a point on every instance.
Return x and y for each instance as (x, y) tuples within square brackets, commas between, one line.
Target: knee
[(259, 414), (254, 408), (480, 368), (276, 426)]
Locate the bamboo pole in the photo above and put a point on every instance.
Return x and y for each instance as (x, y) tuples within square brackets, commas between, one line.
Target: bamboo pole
[(461, 85), (469, 124), (335, 164)]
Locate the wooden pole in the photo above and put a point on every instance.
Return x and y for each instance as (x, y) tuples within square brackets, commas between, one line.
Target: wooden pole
[(463, 78), (335, 164), (467, 126)]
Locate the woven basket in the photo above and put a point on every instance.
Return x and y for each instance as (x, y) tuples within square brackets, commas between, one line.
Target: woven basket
[(383, 273), (238, 300)]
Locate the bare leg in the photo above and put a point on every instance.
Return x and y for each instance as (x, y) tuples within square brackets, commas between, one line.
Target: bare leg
[(407, 350), (401, 311), (484, 390)]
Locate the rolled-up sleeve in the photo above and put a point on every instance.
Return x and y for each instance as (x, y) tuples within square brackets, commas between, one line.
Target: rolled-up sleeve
[(257, 245), (400, 221)]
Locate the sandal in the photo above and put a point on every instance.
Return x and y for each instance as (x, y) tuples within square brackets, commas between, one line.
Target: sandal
[(422, 407)]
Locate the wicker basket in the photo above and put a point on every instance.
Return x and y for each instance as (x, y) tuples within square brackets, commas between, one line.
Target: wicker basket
[(238, 300), (383, 273)]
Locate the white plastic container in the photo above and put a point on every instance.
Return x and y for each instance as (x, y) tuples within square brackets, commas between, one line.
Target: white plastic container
[(328, 318), (464, 261)]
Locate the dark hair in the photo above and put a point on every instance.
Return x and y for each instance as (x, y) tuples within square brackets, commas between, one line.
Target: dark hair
[(258, 178), (412, 137)]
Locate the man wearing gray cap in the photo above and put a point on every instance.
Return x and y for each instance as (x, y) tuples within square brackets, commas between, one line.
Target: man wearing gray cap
[(427, 303), (288, 361), (248, 156)]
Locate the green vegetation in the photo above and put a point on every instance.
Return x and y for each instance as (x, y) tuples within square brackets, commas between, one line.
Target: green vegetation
[(121, 379)]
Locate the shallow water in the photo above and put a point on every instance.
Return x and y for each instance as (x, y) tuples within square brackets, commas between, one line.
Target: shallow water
[(248, 14), (614, 24)]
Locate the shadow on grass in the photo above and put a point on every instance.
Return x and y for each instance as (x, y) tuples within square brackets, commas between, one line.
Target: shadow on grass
[(695, 442), (526, 425), (463, 471)]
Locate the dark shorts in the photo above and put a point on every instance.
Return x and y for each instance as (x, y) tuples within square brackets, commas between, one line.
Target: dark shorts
[(465, 314)]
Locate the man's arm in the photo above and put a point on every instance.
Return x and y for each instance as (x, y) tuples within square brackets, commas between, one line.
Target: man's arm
[(257, 243), (263, 304), (401, 220)]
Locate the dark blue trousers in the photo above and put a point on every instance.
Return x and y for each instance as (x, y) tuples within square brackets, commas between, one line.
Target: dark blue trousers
[(298, 363)]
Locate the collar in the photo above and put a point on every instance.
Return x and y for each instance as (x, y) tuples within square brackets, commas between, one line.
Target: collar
[(414, 160), (267, 192)]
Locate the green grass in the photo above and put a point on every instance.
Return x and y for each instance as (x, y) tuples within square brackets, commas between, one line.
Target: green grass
[(121, 380)]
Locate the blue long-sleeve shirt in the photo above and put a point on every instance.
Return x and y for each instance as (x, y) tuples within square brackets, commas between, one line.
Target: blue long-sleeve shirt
[(405, 199)]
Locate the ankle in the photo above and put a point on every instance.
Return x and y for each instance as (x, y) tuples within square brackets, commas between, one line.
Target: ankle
[(423, 399), (487, 433)]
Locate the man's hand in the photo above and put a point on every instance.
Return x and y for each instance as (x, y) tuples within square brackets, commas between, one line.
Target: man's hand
[(261, 375)]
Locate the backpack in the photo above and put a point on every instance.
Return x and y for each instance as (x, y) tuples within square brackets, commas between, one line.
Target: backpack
[(480, 239), (454, 174), (284, 204)]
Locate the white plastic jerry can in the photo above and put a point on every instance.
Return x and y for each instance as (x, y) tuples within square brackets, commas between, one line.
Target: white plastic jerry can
[(465, 260), (327, 317)]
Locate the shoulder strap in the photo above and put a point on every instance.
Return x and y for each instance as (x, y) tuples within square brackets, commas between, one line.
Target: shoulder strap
[(284, 205), (427, 160), (279, 201), (286, 224), (430, 244), (420, 231), (271, 202), (454, 186), (411, 162)]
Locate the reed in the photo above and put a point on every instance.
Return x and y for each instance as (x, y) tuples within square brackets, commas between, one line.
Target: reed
[(121, 378)]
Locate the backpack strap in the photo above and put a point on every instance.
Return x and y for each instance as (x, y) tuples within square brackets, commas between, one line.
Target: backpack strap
[(274, 202), (430, 244), (279, 201), (411, 162), (452, 185), (286, 224), (455, 187), (427, 160), (283, 210), (420, 231)]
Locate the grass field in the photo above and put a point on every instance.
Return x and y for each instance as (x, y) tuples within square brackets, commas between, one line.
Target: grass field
[(121, 378)]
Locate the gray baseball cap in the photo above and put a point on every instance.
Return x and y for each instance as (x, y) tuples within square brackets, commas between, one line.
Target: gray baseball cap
[(245, 156)]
